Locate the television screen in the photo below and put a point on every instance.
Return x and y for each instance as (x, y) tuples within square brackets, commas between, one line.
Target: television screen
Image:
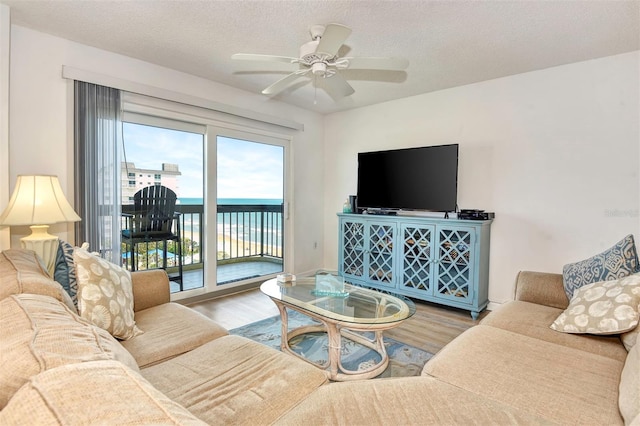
[(423, 178)]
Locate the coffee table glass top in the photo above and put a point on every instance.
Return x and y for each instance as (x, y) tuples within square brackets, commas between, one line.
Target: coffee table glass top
[(356, 305)]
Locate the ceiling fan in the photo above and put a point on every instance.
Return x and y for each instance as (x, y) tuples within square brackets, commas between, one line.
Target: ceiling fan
[(319, 59)]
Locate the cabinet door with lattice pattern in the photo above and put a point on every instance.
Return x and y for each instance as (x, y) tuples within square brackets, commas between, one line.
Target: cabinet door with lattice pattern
[(455, 264), (417, 258), (353, 248), (380, 256)]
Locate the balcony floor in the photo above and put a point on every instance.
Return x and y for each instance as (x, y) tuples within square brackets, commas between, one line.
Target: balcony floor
[(228, 273)]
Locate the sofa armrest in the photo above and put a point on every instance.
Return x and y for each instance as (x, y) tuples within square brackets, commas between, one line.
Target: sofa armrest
[(542, 288), (150, 288)]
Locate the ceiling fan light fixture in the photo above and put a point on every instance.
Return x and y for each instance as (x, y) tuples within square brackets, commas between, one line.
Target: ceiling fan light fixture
[(319, 68)]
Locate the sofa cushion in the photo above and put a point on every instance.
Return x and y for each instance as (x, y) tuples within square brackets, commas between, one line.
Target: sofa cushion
[(105, 294), (616, 262), (542, 378), (605, 307), (401, 401), (98, 392), (170, 329), (542, 288), (629, 401), (22, 271), (39, 333), (630, 338), (533, 320), (233, 380)]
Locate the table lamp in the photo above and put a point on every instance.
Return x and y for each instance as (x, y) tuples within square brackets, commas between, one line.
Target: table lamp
[(38, 201)]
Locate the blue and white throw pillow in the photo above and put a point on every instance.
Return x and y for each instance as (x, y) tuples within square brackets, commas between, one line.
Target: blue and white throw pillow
[(65, 271), (617, 262)]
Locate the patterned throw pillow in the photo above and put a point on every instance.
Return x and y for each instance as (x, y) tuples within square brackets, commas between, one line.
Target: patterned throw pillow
[(105, 294), (617, 262), (605, 307), (65, 271)]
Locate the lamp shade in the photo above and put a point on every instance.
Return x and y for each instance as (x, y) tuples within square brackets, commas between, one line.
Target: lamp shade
[(38, 200)]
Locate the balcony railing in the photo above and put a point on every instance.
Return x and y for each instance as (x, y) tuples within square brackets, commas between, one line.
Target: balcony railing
[(249, 230), (245, 232)]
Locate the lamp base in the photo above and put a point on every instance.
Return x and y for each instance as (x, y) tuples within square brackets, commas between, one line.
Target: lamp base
[(44, 244)]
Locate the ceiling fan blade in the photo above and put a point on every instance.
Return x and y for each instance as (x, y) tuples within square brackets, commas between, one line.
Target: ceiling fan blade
[(374, 63), (263, 58), (284, 82), (332, 39), (337, 87)]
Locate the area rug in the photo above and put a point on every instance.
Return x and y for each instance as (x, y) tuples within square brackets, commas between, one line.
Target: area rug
[(404, 360)]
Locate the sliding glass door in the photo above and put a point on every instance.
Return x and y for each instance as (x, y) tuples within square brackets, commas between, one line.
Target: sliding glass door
[(172, 158), (250, 206)]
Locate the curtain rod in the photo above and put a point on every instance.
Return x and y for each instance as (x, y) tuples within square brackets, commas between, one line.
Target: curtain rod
[(72, 73)]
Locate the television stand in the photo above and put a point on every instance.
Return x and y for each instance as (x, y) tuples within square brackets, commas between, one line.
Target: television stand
[(439, 260)]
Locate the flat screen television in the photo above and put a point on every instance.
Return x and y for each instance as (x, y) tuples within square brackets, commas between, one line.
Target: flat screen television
[(424, 178)]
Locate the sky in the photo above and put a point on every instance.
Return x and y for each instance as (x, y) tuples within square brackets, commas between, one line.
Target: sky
[(245, 169)]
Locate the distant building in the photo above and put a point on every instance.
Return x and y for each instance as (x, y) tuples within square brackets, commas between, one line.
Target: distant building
[(134, 179)]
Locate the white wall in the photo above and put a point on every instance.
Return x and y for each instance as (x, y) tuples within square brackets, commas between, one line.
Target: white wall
[(554, 153), (41, 122)]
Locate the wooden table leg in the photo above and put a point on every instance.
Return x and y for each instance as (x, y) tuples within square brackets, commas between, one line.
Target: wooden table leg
[(335, 348), (284, 319)]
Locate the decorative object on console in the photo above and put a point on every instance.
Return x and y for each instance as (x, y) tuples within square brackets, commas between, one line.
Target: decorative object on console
[(38, 201), (612, 264), (346, 207), (329, 283)]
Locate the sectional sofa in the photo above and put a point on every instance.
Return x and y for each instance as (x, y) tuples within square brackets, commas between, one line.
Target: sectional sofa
[(59, 368)]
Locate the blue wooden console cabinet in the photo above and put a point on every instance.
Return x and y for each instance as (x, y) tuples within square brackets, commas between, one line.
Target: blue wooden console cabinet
[(444, 261)]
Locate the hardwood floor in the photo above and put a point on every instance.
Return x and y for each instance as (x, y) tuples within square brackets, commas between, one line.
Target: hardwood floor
[(430, 328)]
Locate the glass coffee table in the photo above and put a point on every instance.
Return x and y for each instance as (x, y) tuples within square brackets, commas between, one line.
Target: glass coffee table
[(347, 314)]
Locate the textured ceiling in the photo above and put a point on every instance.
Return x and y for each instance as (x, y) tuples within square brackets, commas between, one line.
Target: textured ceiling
[(448, 43)]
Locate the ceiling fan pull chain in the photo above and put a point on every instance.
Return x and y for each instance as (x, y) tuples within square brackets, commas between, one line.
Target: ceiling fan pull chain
[(315, 89)]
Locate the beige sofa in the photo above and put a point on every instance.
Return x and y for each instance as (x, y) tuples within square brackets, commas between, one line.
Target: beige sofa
[(185, 369), (512, 368), (57, 368)]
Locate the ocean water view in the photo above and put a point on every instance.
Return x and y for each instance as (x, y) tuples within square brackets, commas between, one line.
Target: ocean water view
[(240, 226), (233, 201)]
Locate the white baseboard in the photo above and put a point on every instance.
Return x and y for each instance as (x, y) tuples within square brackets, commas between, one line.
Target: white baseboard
[(494, 305)]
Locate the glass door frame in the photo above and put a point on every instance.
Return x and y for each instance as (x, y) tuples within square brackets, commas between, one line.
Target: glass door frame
[(210, 220)]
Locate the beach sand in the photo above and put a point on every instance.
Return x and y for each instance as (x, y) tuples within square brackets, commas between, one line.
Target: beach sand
[(239, 248)]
